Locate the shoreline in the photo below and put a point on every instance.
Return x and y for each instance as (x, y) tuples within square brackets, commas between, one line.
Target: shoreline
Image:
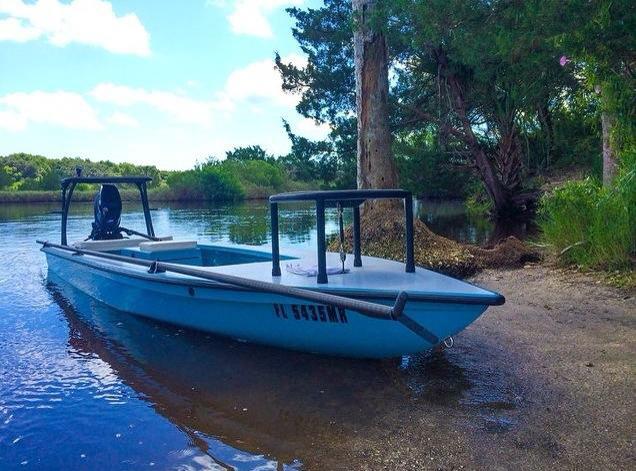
[(159, 195), (544, 381), (27, 197)]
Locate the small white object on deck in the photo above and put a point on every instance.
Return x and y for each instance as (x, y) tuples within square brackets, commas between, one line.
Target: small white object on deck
[(298, 269), (167, 245), (112, 244)]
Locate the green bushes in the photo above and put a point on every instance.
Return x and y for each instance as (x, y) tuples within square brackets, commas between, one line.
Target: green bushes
[(592, 226), (428, 172), (26, 172), (245, 173), (258, 178), (228, 180), (209, 182)]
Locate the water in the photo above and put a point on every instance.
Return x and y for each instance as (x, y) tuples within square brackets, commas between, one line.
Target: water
[(86, 387)]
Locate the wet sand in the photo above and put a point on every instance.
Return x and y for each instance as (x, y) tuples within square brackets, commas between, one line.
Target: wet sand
[(545, 381)]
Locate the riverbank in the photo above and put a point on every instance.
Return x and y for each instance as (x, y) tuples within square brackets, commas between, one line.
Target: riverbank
[(154, 195), (544, 381)]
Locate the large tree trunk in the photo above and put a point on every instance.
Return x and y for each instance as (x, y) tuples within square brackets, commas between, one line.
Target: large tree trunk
[(610, 165), (376, 166), (609, 156)]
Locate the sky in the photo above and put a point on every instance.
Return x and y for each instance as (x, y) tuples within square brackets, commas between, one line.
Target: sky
[(159, 82)]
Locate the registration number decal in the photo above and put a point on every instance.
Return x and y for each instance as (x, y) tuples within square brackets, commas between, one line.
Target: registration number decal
[(311, 312)]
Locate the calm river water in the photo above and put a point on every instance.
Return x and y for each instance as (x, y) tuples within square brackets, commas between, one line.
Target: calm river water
[(86, 387)]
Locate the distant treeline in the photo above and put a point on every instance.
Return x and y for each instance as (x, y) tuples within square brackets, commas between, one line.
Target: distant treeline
[(245, 173)]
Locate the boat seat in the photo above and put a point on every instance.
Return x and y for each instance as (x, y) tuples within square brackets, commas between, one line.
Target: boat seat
[(162, 246), (112, 244)]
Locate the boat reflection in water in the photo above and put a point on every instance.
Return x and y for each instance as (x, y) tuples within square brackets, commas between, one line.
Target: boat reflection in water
[(267, 404)]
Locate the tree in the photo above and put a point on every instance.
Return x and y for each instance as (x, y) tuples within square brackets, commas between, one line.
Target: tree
[(375, 163), (248, 153), (479, 97), (486, 73), (326, 84), (598, 44)]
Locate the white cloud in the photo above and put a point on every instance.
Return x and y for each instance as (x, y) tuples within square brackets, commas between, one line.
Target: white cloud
[(255, 87), (308, 128), (12, 29), (182, 108), (91, 22), (258, 84), (123, 119), (65, 109), (250, 17), (172, 127)]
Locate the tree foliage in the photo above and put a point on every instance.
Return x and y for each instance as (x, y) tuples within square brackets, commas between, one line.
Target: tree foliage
[(481, 79), (598, 42), (208, 181), (248, 153), (326, 86), (35, 172)]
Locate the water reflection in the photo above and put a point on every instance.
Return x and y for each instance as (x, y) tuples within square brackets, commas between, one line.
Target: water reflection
[(266, 405), (451, 219), (184, 376), (248, 222)]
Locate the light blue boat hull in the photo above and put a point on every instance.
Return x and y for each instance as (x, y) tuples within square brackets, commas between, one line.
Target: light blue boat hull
[(261, 317)]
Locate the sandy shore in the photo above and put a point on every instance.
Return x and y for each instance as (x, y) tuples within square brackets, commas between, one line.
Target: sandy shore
[(545, 381)]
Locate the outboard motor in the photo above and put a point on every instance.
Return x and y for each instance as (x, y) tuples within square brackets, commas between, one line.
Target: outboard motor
[(107, 209)]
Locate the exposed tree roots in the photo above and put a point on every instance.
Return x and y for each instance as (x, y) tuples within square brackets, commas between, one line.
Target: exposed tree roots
[(382, 235)]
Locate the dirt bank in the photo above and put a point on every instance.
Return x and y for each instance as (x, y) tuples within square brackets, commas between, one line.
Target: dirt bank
[(382, 235), (544, 382)]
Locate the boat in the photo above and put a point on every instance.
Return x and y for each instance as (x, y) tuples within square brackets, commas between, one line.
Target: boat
[(321, 302)]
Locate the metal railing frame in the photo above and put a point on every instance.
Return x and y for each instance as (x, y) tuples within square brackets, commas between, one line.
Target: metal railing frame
[(346, 198)]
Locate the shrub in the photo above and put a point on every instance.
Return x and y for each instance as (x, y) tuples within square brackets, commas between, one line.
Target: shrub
[(211, 182), (478, 203), (257, 173), (219, 184), (590, 225)]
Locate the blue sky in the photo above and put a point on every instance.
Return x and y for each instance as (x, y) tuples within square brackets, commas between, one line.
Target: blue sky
[(146, 81)]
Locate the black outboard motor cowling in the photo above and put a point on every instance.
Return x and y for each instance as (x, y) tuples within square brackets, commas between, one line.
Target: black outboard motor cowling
[(107, 209)]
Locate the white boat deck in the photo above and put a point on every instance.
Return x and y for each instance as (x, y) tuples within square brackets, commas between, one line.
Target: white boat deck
[(375, 275), (380, 277)]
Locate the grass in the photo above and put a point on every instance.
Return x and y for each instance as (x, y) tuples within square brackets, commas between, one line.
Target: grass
[(591, 226)]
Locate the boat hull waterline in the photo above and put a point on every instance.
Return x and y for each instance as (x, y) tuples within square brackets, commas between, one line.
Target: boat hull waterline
[(259, 317)]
